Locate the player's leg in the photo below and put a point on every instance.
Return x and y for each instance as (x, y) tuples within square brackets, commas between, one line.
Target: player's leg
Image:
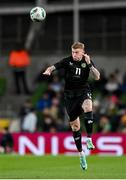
[(74, 109), (75, 126), (88, 116)]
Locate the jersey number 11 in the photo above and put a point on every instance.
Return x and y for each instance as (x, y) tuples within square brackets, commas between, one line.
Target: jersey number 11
[(78, 71)]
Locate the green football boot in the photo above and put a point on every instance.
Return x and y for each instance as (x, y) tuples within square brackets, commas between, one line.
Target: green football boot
[(83, 163), (90, 145)]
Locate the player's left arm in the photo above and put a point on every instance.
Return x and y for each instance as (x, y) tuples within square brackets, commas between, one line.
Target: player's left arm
[(94, 71)]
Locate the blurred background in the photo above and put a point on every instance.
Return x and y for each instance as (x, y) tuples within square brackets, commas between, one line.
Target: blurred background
[(30, 102)]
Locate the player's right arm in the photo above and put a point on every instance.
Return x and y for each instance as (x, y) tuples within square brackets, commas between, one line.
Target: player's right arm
[(58, 65), (49, 70)]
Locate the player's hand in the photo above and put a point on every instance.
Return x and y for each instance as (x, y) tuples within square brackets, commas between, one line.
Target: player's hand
[(48, 71), (87, 58)]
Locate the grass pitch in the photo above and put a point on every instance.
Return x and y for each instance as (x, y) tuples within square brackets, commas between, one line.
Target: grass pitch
[(61, 167)]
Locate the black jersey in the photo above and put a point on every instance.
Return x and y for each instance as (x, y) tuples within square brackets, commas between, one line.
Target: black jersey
[(76, 73)]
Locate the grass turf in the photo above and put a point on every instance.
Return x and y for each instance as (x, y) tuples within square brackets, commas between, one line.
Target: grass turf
[(61, 167)]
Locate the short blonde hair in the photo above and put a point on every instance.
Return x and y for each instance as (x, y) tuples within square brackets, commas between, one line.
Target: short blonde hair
[(78, 45)]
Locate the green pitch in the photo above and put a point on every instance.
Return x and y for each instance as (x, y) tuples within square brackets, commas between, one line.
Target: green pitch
[(61, 167)]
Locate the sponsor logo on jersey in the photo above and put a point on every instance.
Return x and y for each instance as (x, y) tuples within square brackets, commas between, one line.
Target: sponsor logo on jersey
[(83, 65)]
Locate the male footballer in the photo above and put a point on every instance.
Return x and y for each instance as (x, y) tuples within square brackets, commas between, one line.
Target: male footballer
[(77, 94)]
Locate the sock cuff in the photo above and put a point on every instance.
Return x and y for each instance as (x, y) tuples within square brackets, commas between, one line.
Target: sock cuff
[(77, 133), (88, 115)]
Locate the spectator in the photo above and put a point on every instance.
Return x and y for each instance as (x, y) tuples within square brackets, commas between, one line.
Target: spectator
[(112, 85), (19, 60), (30, 122), (25, 109), (54, 109), (118, 76), (104, 125), (48, 124), (122, 124), (44, 102), (7, 141), (104, 104), (56, 85)]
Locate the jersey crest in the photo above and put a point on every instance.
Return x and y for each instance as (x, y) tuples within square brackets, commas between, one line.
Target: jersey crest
[(83, 65)]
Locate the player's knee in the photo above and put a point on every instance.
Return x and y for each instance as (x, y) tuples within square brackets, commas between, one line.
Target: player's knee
[(87, 107), (75, 127)]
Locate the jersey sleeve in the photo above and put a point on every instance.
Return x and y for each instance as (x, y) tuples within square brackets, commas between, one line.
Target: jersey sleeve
[(61, 64)]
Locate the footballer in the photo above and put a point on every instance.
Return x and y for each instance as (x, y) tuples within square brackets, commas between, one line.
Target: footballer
[(77, 94)]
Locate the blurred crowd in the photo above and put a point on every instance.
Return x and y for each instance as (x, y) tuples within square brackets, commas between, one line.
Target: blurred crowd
[(48, 113), (110, 102)]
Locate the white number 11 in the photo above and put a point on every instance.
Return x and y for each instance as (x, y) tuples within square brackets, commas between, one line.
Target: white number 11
[(78, 71)]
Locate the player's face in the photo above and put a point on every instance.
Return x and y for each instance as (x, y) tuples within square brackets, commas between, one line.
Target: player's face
[(77, 54)]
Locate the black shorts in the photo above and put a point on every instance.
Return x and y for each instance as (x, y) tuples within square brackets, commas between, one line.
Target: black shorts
[(73, 102)]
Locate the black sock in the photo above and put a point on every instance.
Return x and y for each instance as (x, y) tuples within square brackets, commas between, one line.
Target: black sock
[(77, 139), (88, 116)]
